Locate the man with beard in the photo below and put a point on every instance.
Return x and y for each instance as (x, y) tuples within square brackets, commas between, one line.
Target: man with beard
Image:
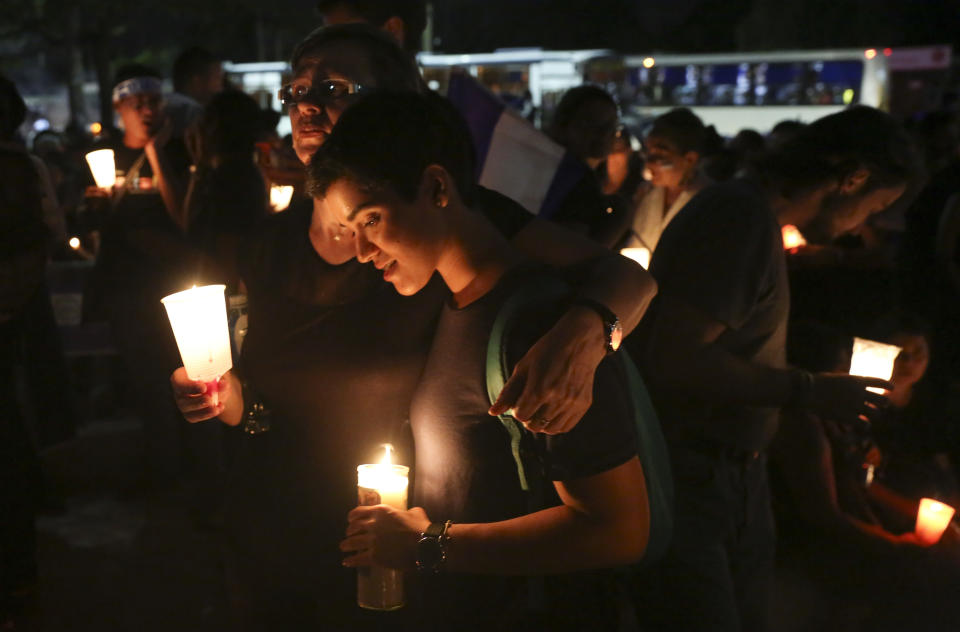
[(713, 350)]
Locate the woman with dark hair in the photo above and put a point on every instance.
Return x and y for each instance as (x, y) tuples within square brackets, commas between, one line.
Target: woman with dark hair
[(672, 152)]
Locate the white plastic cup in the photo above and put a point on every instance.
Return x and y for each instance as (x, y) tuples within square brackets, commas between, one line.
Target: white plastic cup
[(198, 317), (873, 359), (104, 167), (933, 517)]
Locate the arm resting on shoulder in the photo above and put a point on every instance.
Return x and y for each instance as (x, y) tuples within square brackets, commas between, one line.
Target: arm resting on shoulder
[(554, 380)]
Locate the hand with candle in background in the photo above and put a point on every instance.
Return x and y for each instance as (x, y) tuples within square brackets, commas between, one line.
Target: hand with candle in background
[(845, 398), (196, 401)]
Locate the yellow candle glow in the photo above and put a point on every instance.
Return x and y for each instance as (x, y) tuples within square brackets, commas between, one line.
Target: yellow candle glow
[(639, 254), (873, 359), (932, 520), (792, 238), (381, 483), (198, 317), (74, 243), (280, 196), (103, 168)]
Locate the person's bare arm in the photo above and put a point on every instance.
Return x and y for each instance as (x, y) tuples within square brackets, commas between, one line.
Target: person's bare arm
[(683, 360), (603, 522), (806, 462), (554, 380)]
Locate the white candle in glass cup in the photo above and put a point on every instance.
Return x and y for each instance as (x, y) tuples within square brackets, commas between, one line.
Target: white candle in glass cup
[(198, 317), (103, 167), (933, 517), (384, 483), (873, 359)]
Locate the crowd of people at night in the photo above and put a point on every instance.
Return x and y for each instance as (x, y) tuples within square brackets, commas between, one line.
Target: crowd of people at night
[(792, 490)]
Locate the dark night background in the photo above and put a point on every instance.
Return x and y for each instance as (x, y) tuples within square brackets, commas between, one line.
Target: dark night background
[(38, 33)]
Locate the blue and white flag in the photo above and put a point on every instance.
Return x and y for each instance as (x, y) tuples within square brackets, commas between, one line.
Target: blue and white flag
[(514, 157)]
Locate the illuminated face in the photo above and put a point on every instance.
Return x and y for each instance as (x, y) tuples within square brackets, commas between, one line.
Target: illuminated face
[(668, 167), (313, 118), (911, 364), (140, 114), (403, 239), (842, 213)]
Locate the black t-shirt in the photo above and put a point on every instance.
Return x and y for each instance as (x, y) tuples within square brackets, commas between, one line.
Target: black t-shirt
[(335, 353), (723, 255), (143, 254), (465, 467)]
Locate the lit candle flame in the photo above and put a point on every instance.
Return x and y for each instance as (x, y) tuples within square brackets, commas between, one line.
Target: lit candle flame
[(387, 451), (74, 243), (792, 237)]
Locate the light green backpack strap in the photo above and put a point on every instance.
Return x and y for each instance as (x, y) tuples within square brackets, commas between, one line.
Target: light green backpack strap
[(498, 371), (498, 367)]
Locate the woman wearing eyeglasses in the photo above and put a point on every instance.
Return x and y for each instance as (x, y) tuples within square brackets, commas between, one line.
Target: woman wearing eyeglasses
[(672, 153)]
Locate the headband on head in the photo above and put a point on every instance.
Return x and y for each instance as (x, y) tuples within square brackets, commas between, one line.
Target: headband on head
[(137, 85)]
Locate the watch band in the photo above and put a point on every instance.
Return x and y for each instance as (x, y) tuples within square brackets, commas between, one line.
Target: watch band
[(612, 330), (432, 547)]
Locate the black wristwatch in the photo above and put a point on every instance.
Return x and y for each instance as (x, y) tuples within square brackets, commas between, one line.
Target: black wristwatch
[(612, 330), (432, 548)]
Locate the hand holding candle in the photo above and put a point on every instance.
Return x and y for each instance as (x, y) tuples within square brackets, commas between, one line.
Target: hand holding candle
[(381, 483), (933, 517), (199, 320)]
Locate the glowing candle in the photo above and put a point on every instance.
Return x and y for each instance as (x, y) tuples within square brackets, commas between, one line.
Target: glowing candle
[(873, 359), (639, 254), (280, 197), (103, 168), (792, 238), (74, 243), (198, 317), (381, 588), (932, 520)]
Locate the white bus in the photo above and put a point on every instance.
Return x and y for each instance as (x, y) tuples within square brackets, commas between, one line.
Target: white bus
[(733, 91)]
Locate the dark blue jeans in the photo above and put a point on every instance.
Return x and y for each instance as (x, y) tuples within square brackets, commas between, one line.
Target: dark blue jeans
[(719, 568)]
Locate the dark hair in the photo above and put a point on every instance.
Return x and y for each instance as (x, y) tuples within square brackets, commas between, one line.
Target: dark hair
[(192, 62), (682, 128), (230, 123), (129, 71), (574, 99), (13, 110), (377, 12), (834, 146), (386, 140), (902, 322), (394, 70)]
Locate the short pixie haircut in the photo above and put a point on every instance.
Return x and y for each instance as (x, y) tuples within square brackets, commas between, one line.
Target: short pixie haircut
[(393, 69), (387, 140)]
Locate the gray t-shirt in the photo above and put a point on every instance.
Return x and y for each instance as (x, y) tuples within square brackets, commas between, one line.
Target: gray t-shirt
[(723, 255), (465, 469)]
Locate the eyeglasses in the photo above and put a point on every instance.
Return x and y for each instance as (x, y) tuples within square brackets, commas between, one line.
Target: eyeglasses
[(323, 92)]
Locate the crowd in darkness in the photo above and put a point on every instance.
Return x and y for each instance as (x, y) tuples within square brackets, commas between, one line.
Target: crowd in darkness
[(370, 300)]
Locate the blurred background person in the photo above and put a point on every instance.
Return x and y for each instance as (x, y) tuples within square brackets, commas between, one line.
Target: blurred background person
[(197, 77), (144, 256), (22, 265), (227, 194), (671, 153), (585, 123)]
